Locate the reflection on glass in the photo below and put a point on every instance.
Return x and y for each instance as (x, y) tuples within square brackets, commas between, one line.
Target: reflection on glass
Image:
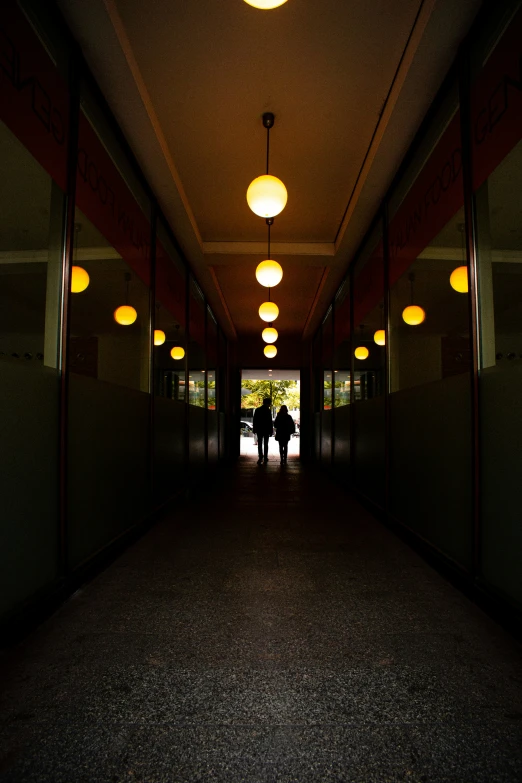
[(342, 346), (196, 351), (103, 345), (169, 320)]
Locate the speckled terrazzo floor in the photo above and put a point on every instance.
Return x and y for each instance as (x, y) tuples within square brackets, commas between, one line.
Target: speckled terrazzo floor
[(273, 633)]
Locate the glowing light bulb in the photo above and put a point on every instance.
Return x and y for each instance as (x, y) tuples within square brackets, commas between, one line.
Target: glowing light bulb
[(459, 279), (269, 334), (380, 337), (265, 4), (270, 351), (361, 352), (177, 352), (159, 337), (266, 196), (268, 311), (125, 315), (269, 273), (79, 279), (413, 315)]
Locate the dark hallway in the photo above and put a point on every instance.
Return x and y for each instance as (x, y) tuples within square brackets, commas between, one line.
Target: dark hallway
[(277, 633)]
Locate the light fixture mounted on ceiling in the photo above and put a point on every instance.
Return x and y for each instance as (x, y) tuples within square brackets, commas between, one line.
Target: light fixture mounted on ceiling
[(265, 5), (270, 351), (267, 195), (269, 273)]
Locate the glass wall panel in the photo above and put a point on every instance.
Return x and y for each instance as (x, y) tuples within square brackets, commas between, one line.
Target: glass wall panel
[(326, 360), (109, 346), (169, 320), (430, 357), (33, 155), (370, 365), (31, 218), (497, 157), (212, 378), (196, 353), (169, 368), (342, 379)]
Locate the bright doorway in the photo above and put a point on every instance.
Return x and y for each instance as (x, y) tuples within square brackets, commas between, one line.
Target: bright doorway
[(284, 388)]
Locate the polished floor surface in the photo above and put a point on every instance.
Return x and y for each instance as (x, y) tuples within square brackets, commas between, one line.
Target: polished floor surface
[(272, 632)]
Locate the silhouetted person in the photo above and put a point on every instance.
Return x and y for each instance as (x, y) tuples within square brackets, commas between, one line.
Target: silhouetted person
[(285, 428), (263, 428)]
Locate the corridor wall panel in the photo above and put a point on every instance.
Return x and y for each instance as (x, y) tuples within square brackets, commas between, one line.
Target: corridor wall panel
[(370, 449), (326, 439), (213, 435), (169, 448), (108, 468), (430, 464), (196, 439), (28, 534), (342, 446)]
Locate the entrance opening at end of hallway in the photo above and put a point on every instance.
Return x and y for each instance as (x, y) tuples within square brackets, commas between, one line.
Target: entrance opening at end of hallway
[(283, 388)]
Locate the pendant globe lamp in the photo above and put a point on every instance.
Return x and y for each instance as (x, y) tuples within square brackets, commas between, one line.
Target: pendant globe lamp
[(79, 276), (266, 195), (159, 336), (269, 334), (265, 5), (125, 315), (269, 273), (413, 315), (270, 351)]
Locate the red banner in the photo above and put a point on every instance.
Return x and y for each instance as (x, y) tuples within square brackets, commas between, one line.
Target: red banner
[(34, 99), (103, 196), (496, 104)]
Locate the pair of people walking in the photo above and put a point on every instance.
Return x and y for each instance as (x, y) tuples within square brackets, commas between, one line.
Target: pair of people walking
[(264, 429)]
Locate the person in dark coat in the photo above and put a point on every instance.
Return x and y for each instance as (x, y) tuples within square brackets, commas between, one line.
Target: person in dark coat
[(285, 428), (263, 428)]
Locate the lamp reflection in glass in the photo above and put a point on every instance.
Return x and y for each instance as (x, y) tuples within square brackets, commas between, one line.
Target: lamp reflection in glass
[(177, 352), (459, 280), (413, 315), (265, 5), (379, 337), (270, 351), (159, 337), (361, 352), (126, 314), (268, 311), (79, 279), (269, 334)]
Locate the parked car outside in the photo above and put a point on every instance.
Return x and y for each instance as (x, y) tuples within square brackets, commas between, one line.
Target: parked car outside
[(247, 431)]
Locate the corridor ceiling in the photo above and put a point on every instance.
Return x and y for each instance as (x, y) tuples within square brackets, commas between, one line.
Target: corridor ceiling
[(349, 82)]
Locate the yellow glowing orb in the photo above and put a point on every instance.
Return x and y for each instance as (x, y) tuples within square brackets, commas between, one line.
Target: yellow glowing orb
[(269, 311), (269, 273), (413, 315), (380, 337), (267, 196), (265, 4), (270, 351), (361, 352), (159, 337), (459, 279), (177, 352), (125, 315), (79, 279), (269, 334)]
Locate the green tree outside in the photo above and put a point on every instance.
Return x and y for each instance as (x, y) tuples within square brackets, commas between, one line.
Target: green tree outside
[(280, 392)]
